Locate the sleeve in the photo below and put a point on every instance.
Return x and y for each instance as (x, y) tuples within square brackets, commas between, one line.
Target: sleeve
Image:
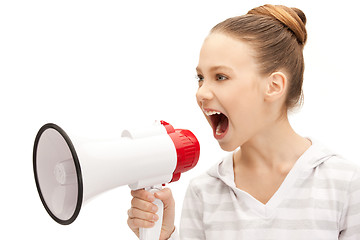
[(191, 222), (350, 224)]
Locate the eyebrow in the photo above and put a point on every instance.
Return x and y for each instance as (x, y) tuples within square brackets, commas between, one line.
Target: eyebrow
[(216, 68)]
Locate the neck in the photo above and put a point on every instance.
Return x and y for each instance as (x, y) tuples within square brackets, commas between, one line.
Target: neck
[(276, 147)]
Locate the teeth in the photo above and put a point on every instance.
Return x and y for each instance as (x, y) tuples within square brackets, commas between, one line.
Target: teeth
[(209, 113)]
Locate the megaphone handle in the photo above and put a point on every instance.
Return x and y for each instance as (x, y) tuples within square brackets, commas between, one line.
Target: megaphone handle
[(154, 232)]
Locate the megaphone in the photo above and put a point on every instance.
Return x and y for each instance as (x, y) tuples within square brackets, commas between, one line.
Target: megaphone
[(69, 173)]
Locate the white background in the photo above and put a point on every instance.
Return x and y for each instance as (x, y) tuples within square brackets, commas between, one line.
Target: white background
[(102, 66)]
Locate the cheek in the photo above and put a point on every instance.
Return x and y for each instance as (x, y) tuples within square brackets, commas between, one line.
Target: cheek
[(244, 107)]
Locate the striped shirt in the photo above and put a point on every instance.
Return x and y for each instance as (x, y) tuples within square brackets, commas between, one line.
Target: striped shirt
[(319, 199)]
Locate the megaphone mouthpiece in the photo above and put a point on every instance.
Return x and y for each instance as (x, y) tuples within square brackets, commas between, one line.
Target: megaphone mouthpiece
[(187, 148)]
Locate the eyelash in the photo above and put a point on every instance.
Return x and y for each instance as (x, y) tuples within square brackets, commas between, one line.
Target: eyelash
[(223, 77), (199, 78)]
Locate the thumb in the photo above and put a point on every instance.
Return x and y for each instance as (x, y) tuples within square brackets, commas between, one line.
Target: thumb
[(165, 195)]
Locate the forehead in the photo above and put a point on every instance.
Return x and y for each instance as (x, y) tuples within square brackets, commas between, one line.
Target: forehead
[(220, 49)]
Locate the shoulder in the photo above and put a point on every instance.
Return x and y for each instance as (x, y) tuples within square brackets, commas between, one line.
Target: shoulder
[(340, 168), (204, 184), (326, 161), (336, 172), (215, 180)]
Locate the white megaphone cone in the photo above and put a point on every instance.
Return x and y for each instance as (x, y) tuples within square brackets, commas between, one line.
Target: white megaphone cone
[(68, 173)]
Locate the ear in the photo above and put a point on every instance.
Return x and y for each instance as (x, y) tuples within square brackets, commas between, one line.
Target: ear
[(276, 86)]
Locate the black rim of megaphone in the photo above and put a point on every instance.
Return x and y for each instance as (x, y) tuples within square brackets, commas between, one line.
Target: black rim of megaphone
[(78, 173)]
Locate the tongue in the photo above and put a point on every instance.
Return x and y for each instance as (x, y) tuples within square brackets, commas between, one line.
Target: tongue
[(222, 125)]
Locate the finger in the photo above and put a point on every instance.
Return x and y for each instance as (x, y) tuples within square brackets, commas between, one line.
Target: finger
[(143, 205), (144, 195), (135, 223), (133, 228), (136, 213), (165, 195)]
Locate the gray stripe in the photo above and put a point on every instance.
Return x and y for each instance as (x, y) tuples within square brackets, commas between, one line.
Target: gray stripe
[(355, 185), (340, 185), (287, 224), (222, 203), (312, 203), (192, 233), (215, 189), (191, 214), (224, 207), (288, 203), (354, 209)]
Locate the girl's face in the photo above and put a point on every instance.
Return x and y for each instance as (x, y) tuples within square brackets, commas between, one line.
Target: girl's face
[(231, 91)]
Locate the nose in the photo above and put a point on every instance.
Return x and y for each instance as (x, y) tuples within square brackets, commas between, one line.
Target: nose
[(204, 92)]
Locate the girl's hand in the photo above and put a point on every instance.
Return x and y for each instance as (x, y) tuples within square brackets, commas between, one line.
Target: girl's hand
[(142, 213)]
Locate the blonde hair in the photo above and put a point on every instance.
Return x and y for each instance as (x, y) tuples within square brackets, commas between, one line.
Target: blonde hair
[(277, 34)]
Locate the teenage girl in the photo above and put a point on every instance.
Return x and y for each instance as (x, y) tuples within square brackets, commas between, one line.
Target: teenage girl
[(277, 184)]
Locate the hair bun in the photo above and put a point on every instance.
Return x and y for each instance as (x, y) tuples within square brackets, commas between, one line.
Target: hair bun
[(293, 18)]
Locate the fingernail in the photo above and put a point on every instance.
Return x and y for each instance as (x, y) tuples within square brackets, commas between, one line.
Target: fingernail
[(155, 217)]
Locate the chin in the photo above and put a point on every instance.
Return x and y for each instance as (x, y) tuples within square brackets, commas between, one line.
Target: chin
[(228, 147)]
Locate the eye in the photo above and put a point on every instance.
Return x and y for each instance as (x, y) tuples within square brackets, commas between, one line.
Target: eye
[(199, 78), (221, 77)]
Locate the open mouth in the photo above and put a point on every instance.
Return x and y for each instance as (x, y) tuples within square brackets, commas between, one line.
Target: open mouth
[(219, 123)]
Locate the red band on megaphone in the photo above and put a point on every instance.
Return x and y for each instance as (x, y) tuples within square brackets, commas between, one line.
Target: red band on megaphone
[(187, 149)]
